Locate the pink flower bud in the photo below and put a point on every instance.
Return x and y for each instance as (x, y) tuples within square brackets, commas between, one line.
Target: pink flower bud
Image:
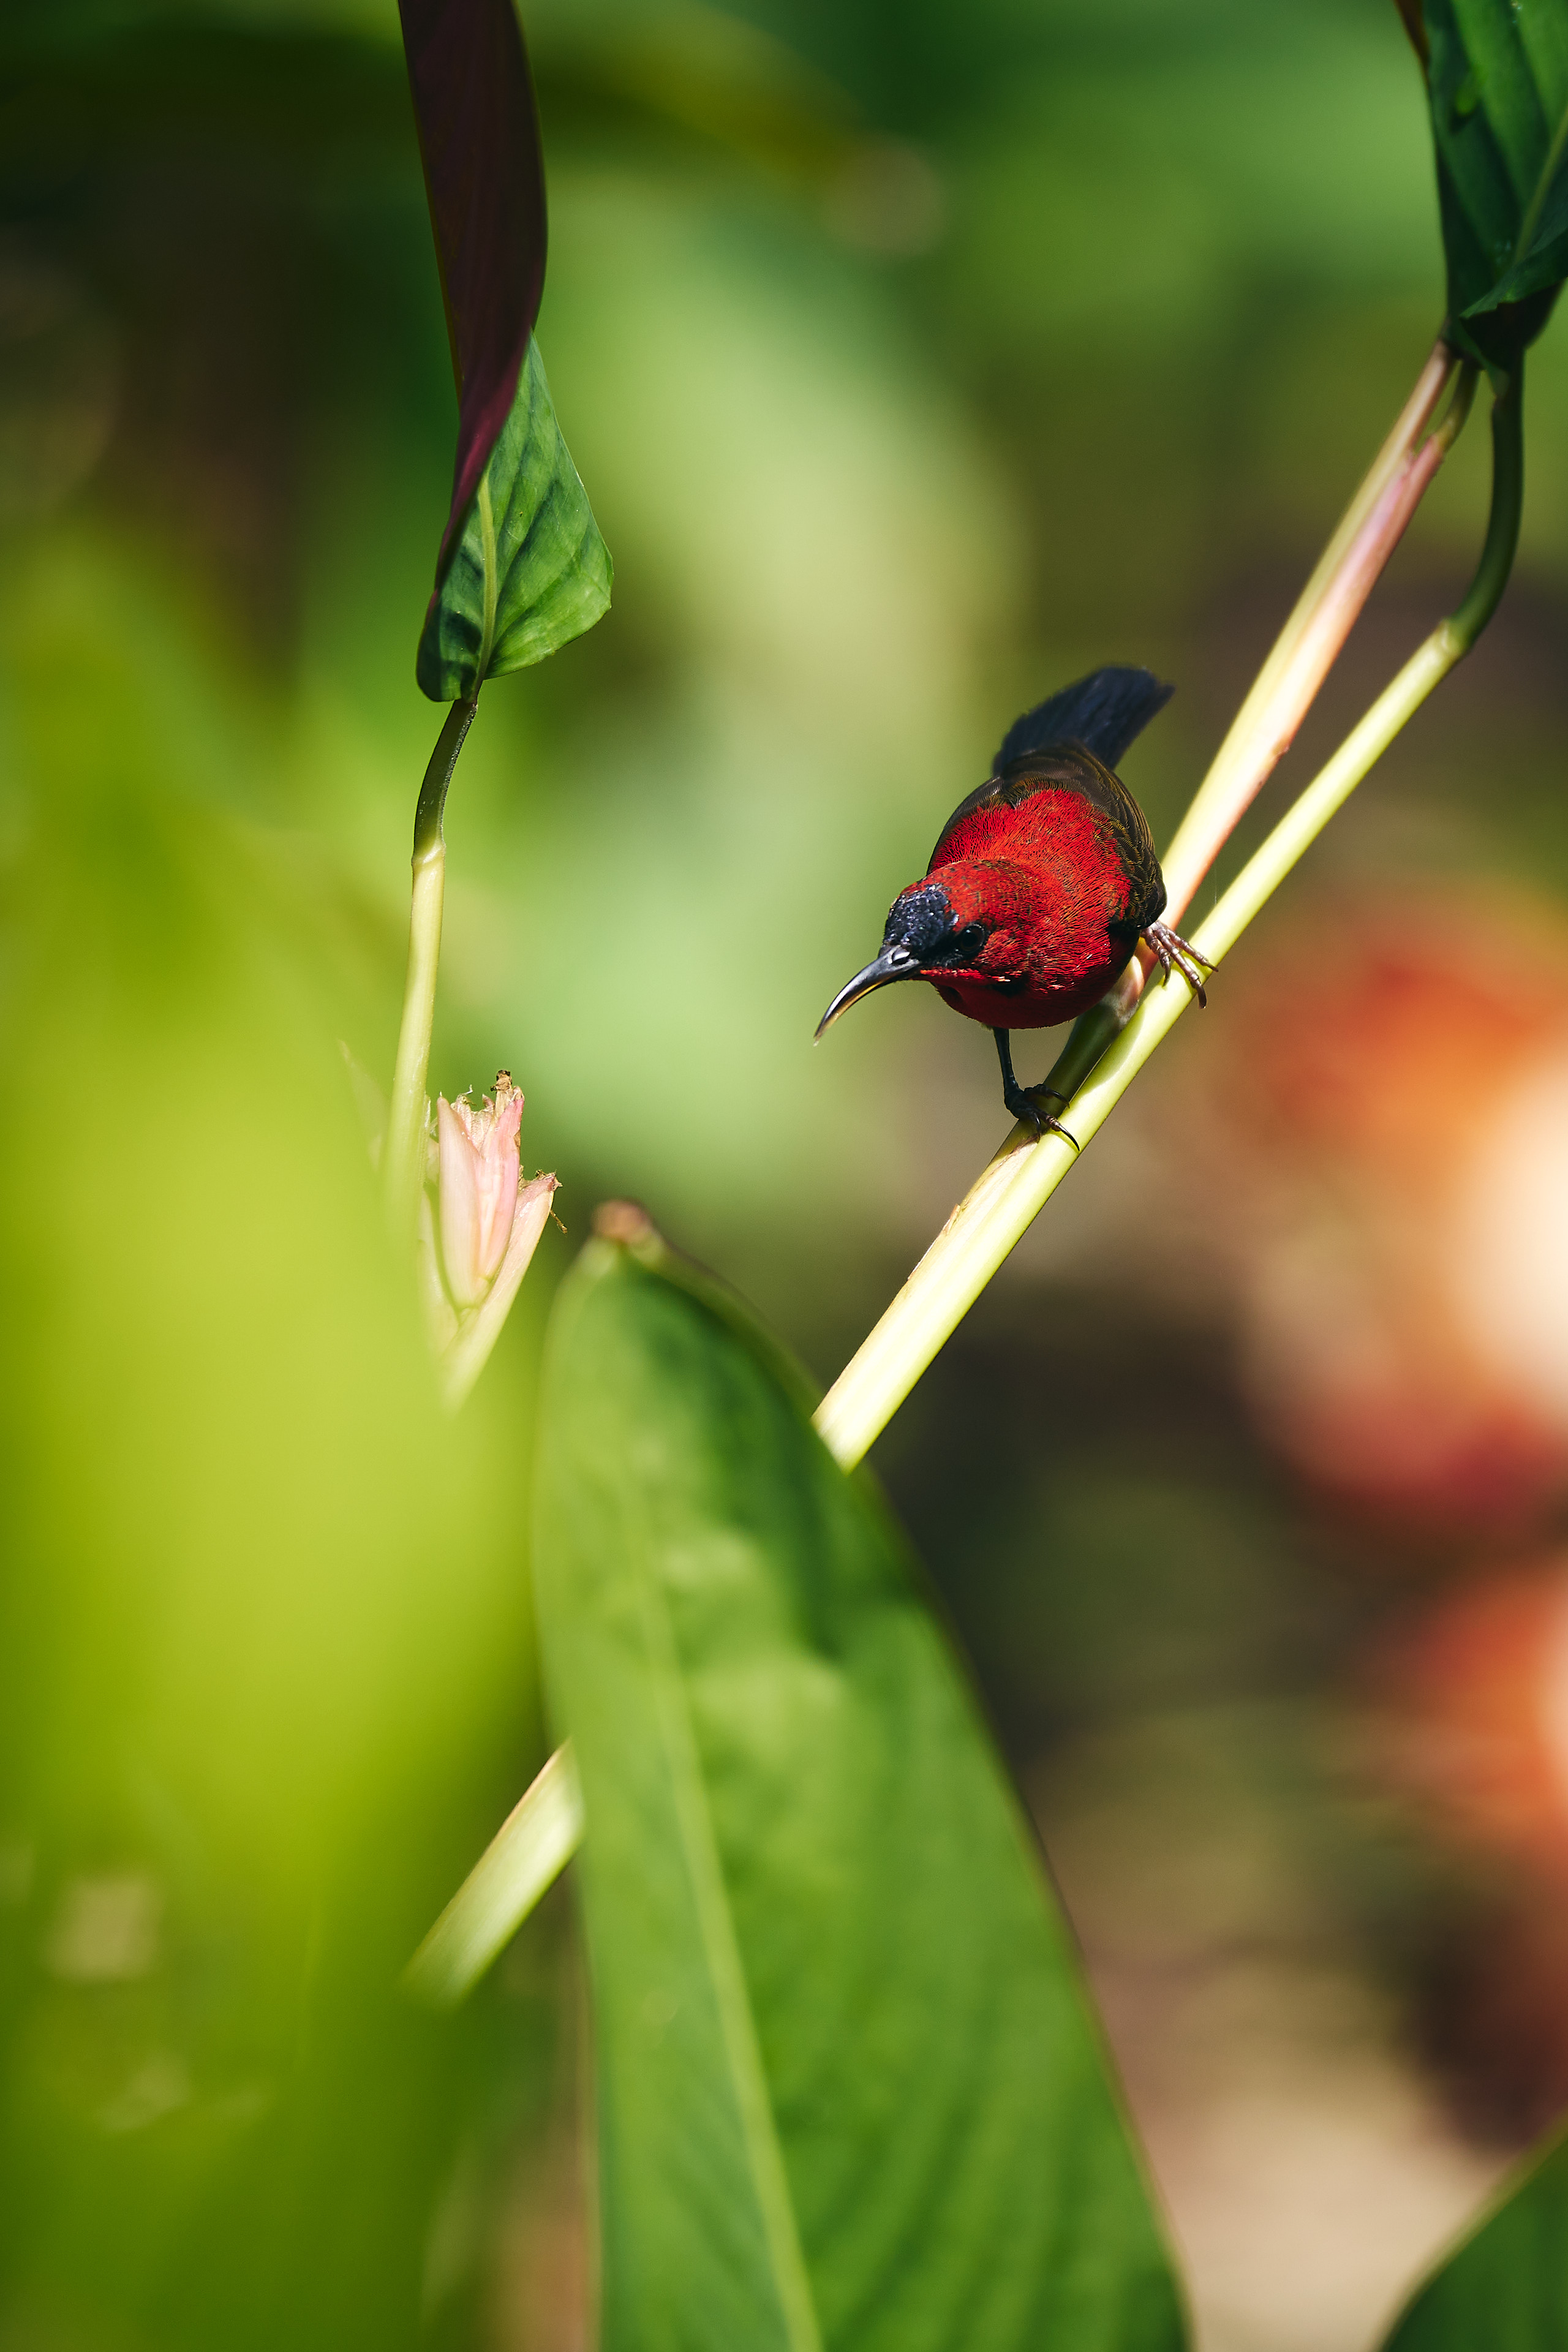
[(479, 1157)]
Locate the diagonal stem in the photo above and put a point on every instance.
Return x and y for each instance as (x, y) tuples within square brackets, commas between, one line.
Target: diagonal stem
[(522, 1861), (1013, 1190), (1314, 635), (1304, 652)]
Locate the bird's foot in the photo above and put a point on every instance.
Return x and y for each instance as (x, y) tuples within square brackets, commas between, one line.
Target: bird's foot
[(1029, 1103), (1173, 951)]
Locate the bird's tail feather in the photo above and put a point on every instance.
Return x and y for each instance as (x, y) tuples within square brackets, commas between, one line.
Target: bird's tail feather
[(1103, 712)]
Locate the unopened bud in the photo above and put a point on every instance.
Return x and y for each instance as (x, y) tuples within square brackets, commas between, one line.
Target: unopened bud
[(479, 1156)]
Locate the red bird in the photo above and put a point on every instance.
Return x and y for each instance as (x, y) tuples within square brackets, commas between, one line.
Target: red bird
[(1042, 883)]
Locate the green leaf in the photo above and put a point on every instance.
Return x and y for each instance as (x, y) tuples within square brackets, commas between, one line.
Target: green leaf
[(1498, 77), (1506, 2288), (850, 2090), (528, 569)]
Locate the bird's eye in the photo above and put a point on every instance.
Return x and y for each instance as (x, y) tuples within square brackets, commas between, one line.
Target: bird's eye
[(966, 944)]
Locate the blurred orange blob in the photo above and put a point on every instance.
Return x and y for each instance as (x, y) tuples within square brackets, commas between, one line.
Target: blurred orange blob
[(1472, 1705), (1479, 1690), (1392, 1114)]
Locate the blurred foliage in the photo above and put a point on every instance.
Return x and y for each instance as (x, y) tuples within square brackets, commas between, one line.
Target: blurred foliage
[(916, 359), (264, 1636)]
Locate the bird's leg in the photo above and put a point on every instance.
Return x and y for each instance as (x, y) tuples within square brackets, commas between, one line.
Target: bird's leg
[(1025, 1102), (1172, 949)]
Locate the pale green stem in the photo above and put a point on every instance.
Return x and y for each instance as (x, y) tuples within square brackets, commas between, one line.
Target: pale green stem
[(1304, 652), (407, 1114), (410, 1109), (499, 1892), (1013, 1190), (522, 1861), (1314, 635)]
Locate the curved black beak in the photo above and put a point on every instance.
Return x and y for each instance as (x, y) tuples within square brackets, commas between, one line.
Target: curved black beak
[(893, 963)]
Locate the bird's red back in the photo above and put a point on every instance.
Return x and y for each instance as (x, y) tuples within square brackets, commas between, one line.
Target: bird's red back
[(1049, 860)]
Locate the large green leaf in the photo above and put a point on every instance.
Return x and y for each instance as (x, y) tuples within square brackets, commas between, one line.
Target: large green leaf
[(1506, 2288), (1498, 74), (850, 2090), (528, 569)]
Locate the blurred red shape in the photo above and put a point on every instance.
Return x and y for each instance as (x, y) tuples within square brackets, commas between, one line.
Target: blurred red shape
[(1391, 1082)]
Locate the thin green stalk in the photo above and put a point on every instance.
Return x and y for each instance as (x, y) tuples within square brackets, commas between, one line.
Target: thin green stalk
[(1484, 592), (1301, 659), (1326, 611), (521, 1861), (1010, 1193), (1013, 1190), (405, 1164)]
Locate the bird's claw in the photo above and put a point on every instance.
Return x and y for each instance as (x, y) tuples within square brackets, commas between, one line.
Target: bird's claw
[(1174, 952), (1025, 1103)]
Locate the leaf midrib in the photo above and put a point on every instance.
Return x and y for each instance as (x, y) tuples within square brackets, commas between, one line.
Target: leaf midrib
[(492, 584), (737, 2026)]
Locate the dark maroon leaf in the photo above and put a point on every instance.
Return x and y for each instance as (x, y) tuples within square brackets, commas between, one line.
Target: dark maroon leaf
[(484, 175), (1411, 12)]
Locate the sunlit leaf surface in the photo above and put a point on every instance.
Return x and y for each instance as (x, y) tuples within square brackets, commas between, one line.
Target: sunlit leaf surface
[(849, 2090)]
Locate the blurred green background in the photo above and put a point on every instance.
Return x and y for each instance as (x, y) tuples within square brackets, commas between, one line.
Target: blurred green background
[(916, 359)]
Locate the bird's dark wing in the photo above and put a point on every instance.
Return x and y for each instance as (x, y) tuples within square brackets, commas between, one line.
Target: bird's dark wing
[(1103, 712), (1071, 769)]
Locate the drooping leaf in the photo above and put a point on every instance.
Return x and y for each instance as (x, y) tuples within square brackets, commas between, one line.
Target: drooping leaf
[(522, 567), (529, 569), (1506, 2286), (484, 176), (1410, 11), (851, 2094), (1497, 80)]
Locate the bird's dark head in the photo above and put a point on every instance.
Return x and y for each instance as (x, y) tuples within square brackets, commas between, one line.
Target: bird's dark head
[(935, 930)]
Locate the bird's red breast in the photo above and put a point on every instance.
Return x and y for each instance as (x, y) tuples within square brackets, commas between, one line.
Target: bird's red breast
[(1049, 876)]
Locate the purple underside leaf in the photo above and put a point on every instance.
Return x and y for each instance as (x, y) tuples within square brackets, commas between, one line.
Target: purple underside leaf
[(484, 175)]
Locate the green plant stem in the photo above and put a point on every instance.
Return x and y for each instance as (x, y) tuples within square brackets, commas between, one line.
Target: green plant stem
[(1013, 1190), (1301, 659), (1484, 592), (521, 1861), (403, 1172), (1325, 613), (509, 1878)]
